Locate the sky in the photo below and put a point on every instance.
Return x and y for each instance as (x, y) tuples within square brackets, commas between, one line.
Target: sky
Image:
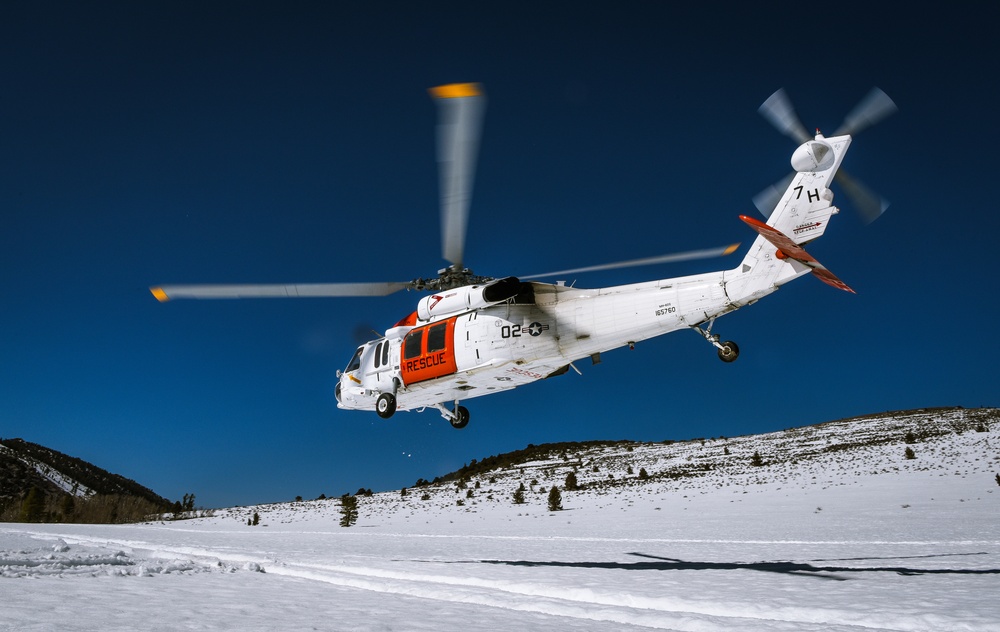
[(178, 142)]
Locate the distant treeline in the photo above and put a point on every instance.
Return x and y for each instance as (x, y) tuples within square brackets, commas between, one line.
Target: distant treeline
[(40, 506)]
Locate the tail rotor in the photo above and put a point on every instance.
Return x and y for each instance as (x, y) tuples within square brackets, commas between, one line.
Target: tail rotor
[(875, 107)]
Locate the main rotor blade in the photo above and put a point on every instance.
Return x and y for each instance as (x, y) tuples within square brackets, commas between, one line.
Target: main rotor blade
[(302, 290), (779, 111), (460, 107), (648, 261), (873, 108)]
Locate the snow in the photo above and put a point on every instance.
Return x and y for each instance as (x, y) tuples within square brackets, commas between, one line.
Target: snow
[(823, 537)]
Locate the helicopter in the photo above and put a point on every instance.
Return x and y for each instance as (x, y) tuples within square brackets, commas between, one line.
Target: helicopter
[(475, 335)]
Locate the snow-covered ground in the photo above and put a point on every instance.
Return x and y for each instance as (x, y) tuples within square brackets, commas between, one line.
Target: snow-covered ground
[(837, 531)]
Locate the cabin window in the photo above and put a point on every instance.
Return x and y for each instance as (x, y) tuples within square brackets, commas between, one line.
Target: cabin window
[(378, 355), (412, 346), (436, 337), (385, 353)]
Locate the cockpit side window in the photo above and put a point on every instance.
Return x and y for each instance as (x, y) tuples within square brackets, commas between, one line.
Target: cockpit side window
[(355, 362)]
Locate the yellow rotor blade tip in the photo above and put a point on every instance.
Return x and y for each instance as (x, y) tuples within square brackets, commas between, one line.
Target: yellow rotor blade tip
[(159, 294), (456, 90), (730, 250)]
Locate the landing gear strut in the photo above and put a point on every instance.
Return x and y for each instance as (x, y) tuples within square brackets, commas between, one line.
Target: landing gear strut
[(728, 350), (459, 418)]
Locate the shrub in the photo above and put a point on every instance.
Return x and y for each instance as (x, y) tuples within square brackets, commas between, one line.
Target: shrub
[(643, 474), (910, 454), (910, 437), (756, 460)]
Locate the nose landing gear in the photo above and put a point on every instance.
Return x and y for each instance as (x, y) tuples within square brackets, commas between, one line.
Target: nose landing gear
[(385, 405), (728, 350)]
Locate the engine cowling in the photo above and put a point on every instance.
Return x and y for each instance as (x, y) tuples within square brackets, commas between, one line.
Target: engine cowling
[(463, 299)]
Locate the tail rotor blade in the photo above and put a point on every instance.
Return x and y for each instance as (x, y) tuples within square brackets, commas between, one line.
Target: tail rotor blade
[(779, 111), (868, 204), (768, 199), (460, 107), (870, 110)]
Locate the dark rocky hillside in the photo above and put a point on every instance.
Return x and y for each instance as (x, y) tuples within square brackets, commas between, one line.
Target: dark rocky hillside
[(38, 484)]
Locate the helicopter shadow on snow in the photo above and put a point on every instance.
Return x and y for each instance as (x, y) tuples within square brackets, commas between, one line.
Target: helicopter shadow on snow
[(802, 569)]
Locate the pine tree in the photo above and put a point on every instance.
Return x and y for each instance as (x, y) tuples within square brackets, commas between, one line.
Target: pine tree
[(571, 482), (256, 518), (348, 510), (643, 474), (68, 507), (555, 499), (33, 507), (519, 495), (756, 460), (909, 453)]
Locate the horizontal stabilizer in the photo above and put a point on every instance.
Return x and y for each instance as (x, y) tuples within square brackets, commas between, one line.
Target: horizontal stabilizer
[(788, 249)]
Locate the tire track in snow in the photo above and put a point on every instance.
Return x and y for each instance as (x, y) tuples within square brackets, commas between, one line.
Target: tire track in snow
[(666, 613)]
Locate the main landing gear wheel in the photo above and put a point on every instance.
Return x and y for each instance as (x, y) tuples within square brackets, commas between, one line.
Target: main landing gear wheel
[(728, 351), (461, 418), (385, 405)]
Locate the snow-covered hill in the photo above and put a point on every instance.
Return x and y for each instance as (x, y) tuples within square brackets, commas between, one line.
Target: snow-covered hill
[(950, 446), (836, 530)]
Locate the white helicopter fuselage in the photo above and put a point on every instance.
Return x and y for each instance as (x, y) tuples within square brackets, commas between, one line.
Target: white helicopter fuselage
[(523, 339)]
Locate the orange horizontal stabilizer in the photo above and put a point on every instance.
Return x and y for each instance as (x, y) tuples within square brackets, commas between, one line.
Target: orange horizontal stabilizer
[(787, 248)]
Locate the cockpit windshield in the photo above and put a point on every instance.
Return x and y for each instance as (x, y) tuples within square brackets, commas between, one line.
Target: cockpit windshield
[(355, 362)]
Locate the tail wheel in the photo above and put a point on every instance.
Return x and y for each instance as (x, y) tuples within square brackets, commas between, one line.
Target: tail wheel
[(729, 351), (461, 418), (385, 405)]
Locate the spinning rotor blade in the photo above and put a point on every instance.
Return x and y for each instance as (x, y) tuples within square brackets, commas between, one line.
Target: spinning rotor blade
[(779, 111), (169, 292), (648, 261), (460, 107), (768, 199), (869, 111), (868, 204)]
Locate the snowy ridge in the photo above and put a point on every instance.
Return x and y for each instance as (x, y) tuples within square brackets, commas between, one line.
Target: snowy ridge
[(836, 531), (868, 450), (54, 476)]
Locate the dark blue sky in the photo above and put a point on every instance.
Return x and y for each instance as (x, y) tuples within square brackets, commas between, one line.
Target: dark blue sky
[(148, 143)]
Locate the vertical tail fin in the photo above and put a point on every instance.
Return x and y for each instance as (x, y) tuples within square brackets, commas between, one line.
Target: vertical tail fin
[(800, 216)]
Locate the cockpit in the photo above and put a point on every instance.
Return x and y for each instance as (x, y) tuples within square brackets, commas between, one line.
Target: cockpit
[(355, 362)]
